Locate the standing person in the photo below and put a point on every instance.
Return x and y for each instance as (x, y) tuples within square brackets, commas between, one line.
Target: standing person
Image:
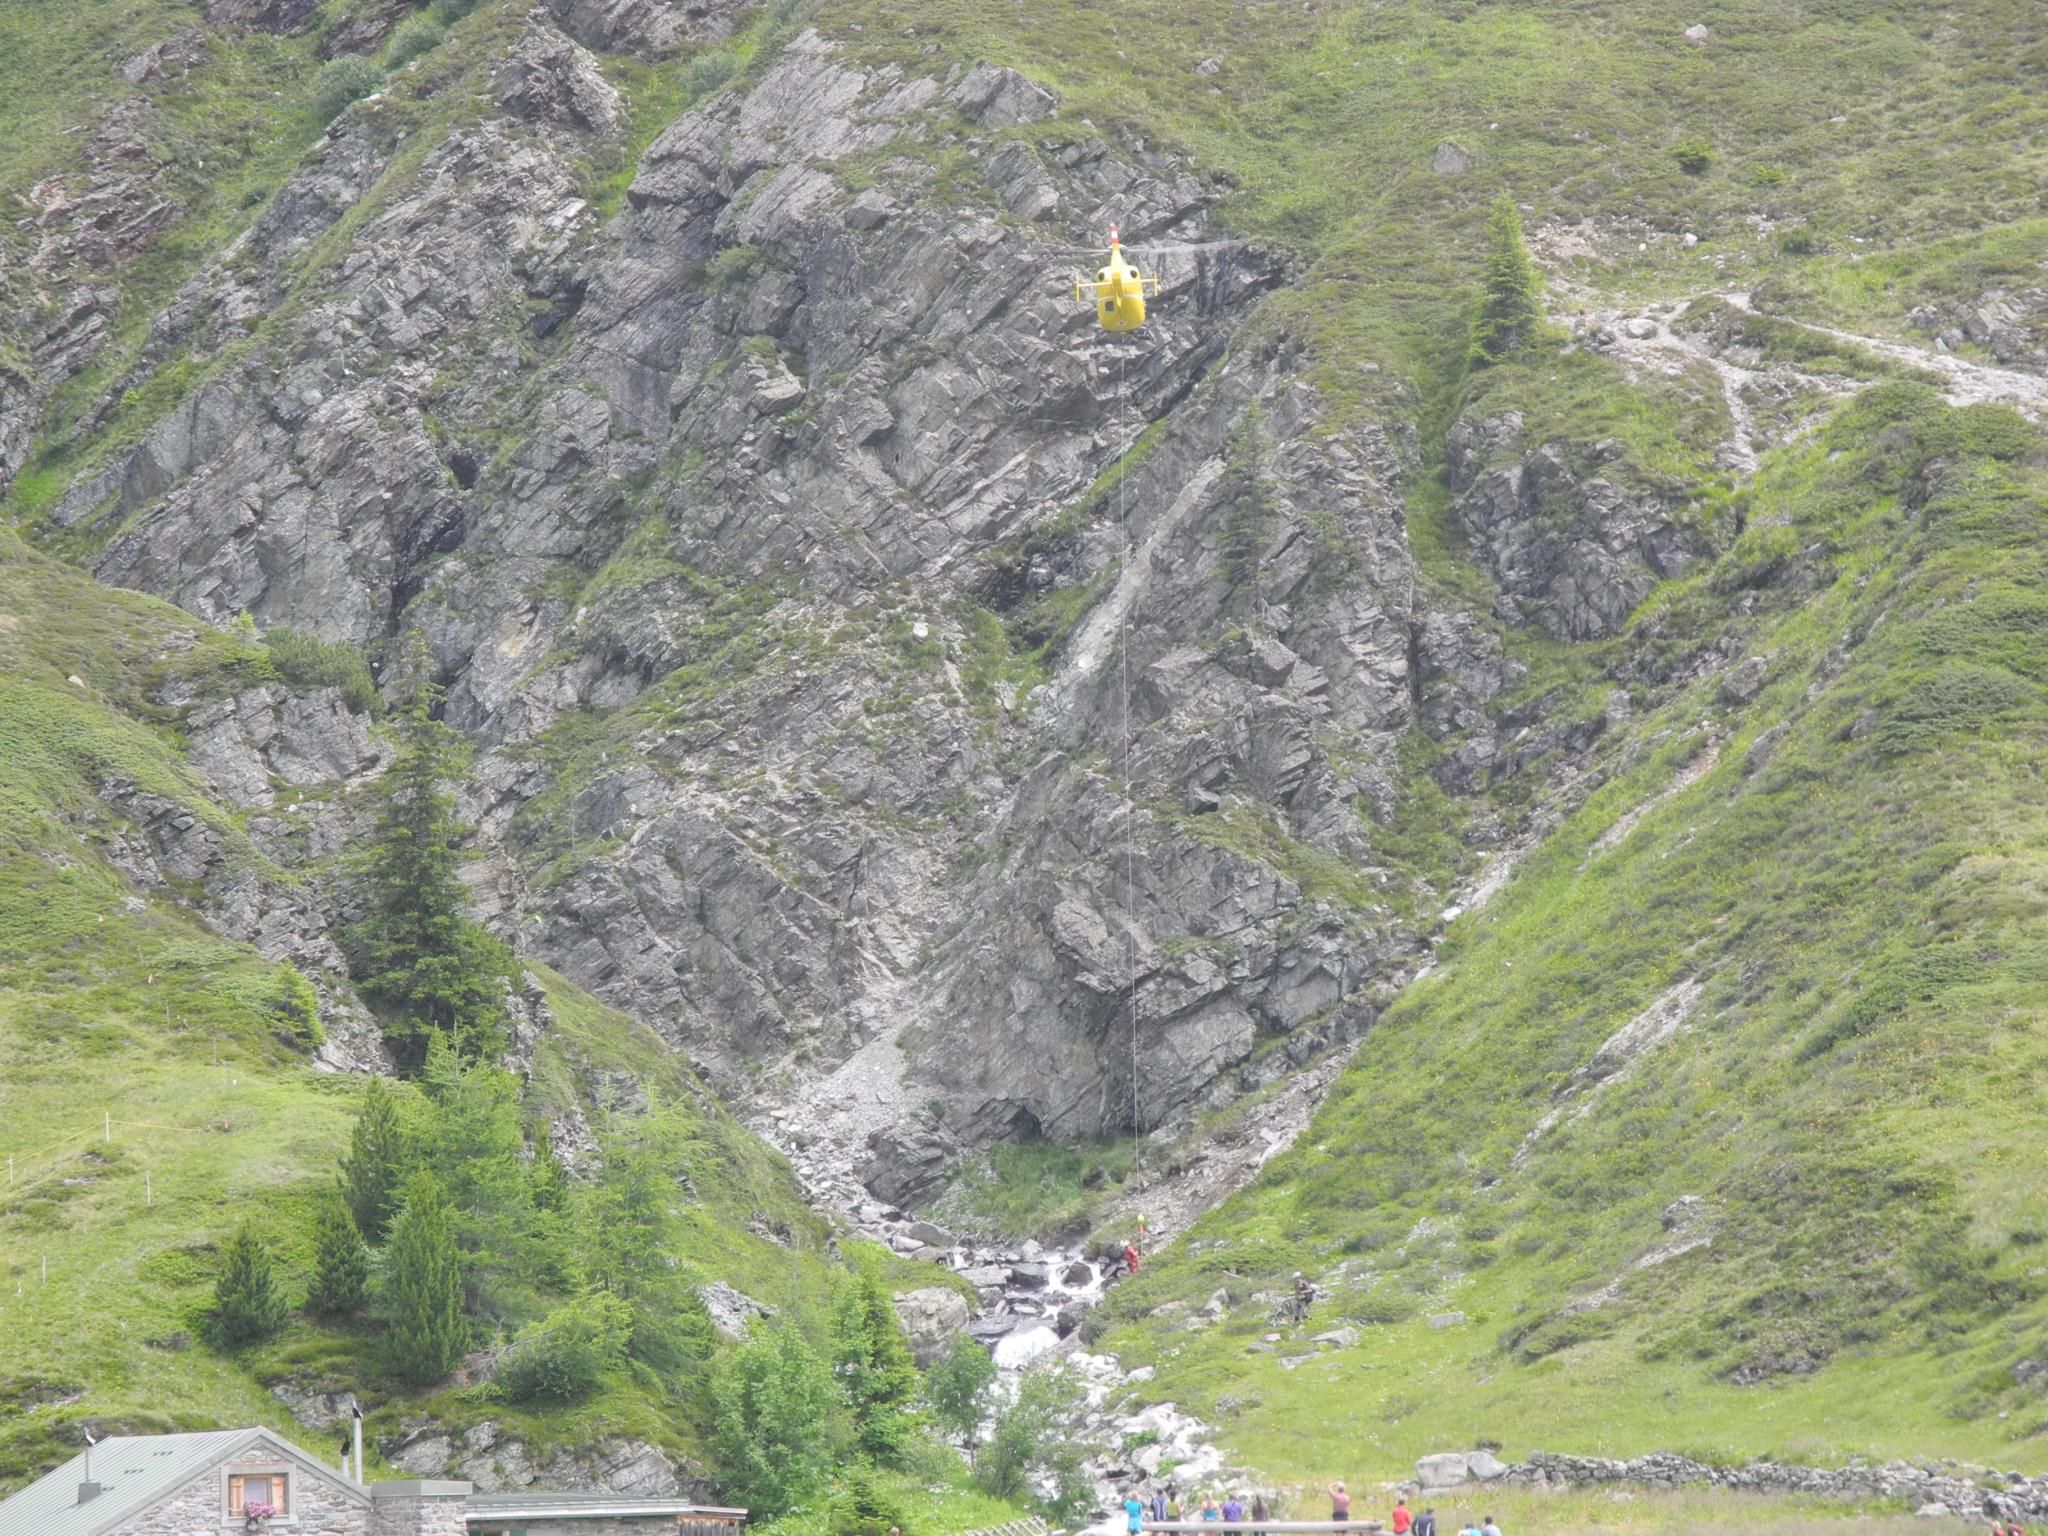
[(1134, 1514), (1130, 1258), (1260, 1512), (1425, 1523), (1233, 1509), (1489, 1528), (1160, 1504), (1173, 1509), (1209, 1509), (1340, 1501), (1402, 1519)]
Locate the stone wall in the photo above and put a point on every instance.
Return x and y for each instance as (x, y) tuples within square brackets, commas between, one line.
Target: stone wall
[(320, 1506), (1932, 1488), (608, 1525), (418, 1509)]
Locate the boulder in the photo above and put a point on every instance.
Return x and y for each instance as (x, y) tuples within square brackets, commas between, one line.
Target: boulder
[(1450, 160), (1484, 1466), (931, 1317), (1445, 1469), (995, 97), (731, 1310), (908, 1163)]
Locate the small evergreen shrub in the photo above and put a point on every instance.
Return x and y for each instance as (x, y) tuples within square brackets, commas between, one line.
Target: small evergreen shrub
[(417, 34), (347, 78), (1693, 155), (247, 1305)]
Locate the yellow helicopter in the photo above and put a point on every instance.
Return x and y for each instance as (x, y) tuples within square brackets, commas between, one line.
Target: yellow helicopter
[(1118, 290)]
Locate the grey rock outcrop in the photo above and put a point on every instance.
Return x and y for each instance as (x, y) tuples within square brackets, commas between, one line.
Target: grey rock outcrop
[(753, 537), (1571, 543)]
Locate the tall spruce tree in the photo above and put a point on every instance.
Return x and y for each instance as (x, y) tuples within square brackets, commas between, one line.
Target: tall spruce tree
[(1508, 313), (876, 1372), (423, 1290), (341, 1261), (248, 1306), (414, 954), (379, 1154)]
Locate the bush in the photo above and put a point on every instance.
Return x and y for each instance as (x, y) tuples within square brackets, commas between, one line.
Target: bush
[(307, 661), (1693, 155), (568, 1352), (412, 37), (247, 1303), (343, 79), (708, 72), (448, 12)]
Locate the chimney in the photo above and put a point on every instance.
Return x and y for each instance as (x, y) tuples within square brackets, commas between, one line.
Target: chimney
[(87, 1492)]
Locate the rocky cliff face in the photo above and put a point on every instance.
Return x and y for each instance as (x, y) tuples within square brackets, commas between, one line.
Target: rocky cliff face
[(903, 696)]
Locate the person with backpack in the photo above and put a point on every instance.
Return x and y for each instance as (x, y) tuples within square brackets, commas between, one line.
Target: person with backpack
[(1425, 1523), (1401, 1518)]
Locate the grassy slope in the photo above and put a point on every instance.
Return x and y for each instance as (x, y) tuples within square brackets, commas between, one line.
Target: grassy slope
[(1857, 1093), (112, 1004)]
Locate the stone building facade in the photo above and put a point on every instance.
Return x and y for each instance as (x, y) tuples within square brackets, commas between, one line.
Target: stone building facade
[(216, 1482)]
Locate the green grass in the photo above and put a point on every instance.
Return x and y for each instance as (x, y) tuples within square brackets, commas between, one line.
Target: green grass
[(1036, 1189), (1855, 1098)]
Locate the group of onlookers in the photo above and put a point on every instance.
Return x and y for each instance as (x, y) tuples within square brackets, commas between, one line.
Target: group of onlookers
[(1232, 1509)]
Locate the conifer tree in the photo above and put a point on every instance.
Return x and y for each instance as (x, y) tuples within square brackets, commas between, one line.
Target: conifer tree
[(876, 1373), (414, 954), (423, 1294), (341, 1262), (378, 1157), (547, 1179), (247, 1303), (1509, 313)]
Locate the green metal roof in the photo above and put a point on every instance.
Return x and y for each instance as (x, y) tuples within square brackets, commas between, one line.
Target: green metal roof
[(133, 1472), (499, 1507)]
